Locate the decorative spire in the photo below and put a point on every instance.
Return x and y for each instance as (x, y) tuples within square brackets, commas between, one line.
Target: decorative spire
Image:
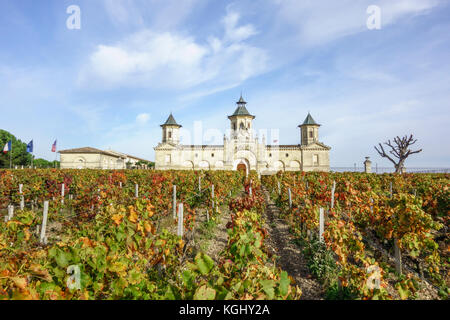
[(309, 121), (241, 110), (171, 122), (241, 100)]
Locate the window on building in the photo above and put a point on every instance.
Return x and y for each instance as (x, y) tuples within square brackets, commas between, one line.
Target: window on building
[(196, 155), (170, 134), (287, 155), (315, 159), (212, 155), (234, 126), (270, 155), (310, 134)]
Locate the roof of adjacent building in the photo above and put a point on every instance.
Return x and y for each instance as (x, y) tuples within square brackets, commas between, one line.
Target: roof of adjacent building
[(89, 150), (98, 151), (126, 155), (170, 122), (309, 121)]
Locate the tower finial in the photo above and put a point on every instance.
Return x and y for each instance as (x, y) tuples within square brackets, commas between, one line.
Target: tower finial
[(241, 100)]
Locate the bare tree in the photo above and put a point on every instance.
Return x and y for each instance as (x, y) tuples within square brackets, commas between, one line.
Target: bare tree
[(400, 150)]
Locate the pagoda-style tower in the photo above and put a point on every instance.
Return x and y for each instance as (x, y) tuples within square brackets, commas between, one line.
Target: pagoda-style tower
[(171, 131), (241, 121), (309, 131)]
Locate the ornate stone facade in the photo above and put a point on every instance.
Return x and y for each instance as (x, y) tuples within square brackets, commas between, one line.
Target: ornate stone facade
[(241, 149)]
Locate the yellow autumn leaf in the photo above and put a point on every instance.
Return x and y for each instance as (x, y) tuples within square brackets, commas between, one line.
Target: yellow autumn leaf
[(133, 214), (117, 218), (147, 226), (19, 282), (140, 229), (27, 235), (41, 272)]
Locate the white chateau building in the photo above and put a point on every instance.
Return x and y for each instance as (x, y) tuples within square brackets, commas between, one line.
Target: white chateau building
[(241, 150)]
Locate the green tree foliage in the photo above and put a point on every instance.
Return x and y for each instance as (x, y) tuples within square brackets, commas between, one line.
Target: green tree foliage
[(19, 151), (42, 163)]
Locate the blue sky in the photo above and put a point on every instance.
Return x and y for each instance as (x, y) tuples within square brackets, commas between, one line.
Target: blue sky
[(112, 83)]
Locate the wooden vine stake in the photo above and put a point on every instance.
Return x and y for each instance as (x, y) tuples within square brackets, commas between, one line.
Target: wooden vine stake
[(390, 188), (398, 257), (180, 220), (207, 215), (120, 184), (321, 224), (22, 201), (199, 184), (212, 196), (136, 191), (43, 238), (10, 212), (290, 198), (279, 188), (62, 193), (174, 201)]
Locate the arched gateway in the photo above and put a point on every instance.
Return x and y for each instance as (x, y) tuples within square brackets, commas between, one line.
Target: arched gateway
[(242, 167)]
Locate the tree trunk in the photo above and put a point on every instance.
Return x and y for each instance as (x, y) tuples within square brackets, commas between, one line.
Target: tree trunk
[(399, 168)]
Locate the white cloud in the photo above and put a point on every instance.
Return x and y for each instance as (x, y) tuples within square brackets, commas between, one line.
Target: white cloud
[(175, 61), (143, 118), (148, 59), (235, 33)]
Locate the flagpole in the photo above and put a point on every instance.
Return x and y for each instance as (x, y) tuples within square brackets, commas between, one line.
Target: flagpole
[(56, 152), (10, 157)]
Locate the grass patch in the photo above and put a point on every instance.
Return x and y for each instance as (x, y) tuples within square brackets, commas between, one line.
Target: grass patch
[(322, 265)]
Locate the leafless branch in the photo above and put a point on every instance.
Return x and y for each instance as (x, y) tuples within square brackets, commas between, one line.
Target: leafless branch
[(399, 149)]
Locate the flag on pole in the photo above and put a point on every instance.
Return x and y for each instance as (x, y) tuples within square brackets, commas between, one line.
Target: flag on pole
[(7, 147), (30, 147), (54, 146)]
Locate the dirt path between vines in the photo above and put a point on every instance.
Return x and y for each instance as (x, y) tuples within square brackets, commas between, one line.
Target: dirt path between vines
[(280, 242), (218, 243)]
